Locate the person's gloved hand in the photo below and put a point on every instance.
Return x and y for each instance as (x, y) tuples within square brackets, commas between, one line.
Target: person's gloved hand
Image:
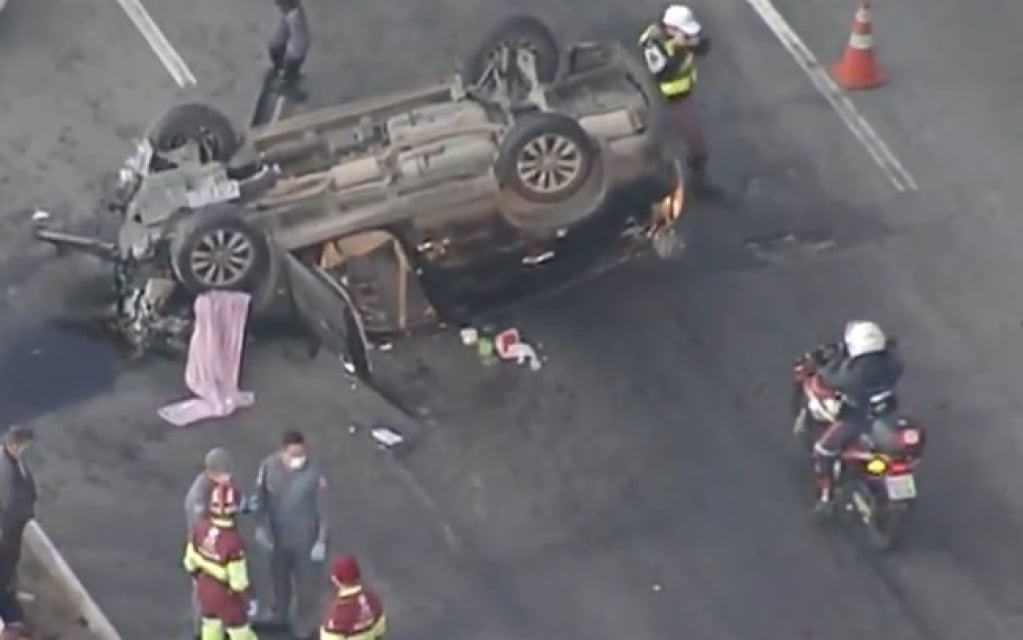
[(319, 552), (824, 354), (263, 538), (253, 608), (250, 504)]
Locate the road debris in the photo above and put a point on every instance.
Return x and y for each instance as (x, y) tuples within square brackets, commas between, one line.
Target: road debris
[(505, 341), (511, 347), (485, 350), (469, 336), (387, 437), (506, 345), (214, 360)]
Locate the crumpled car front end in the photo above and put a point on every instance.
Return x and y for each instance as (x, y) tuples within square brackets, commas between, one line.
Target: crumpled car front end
[(150, 199)]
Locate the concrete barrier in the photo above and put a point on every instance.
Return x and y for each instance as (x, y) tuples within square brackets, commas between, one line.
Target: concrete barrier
[(40, 545)]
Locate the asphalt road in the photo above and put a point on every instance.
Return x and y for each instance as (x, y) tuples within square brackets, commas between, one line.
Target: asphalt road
[(642, 483)]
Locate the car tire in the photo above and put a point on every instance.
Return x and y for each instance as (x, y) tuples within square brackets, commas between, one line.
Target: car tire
[(535, 140), (519, 30), (247, 264), (200, 122)]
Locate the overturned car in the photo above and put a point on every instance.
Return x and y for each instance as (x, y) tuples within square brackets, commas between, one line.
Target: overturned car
[(530, 168)]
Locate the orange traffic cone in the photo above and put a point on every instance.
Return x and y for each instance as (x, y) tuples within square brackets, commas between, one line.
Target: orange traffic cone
[(857, 69)]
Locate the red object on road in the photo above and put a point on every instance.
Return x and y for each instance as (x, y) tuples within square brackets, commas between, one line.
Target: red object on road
[(858, 69), (505, 341)]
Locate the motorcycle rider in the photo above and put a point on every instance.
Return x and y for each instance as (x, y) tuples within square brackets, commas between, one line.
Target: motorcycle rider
[(862, 365)]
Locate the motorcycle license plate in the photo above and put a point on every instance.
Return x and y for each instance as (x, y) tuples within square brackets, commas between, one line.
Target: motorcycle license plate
[(902, 487)]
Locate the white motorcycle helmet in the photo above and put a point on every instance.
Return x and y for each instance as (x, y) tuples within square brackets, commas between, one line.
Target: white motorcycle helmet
[(863, 337)]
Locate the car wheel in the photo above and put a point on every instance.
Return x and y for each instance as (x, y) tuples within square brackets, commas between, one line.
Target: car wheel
[(515, 32), (545, 158), (198, 122), (217, 250)]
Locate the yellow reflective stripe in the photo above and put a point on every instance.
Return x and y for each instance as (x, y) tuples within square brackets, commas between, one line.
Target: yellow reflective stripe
[(237, 575), (212, 569), (380, 628), (196, 561), (647, 34), (189, 560), (677, 87), (375, 632), (681, 84), (684, 78)]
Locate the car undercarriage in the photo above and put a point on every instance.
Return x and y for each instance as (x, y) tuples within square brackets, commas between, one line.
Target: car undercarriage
[(530, 168)]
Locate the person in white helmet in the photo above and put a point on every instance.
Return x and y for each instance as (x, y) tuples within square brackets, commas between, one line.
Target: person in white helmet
[(670, 48), (861, 366)]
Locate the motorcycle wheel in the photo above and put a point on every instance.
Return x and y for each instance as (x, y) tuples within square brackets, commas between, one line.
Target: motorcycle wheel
[(880, 529)]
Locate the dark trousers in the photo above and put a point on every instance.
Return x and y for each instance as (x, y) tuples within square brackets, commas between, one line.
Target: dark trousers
[(838, 437), (685, 122), (10, 558)]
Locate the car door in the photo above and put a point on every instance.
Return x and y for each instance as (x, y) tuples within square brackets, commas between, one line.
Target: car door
[(325, 307)]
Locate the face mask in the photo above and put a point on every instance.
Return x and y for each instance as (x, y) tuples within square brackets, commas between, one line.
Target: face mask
[(296, 463)]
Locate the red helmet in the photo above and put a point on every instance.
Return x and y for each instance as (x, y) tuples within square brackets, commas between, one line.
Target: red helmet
[(225, 500), (346, 570)]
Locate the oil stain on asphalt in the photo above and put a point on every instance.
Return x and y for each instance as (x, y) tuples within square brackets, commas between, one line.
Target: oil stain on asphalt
[(44, 368)]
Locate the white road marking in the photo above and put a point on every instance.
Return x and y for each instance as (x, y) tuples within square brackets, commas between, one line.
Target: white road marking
[(158, 42), (426, 500), (900, 178)]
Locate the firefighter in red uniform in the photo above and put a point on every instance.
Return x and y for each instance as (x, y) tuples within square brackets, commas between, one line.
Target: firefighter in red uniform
[(356, 613), (215, 557)]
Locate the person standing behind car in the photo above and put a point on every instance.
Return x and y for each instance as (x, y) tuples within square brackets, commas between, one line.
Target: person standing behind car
[(17, 508), (289, 46), (670, 48), (292, 526)]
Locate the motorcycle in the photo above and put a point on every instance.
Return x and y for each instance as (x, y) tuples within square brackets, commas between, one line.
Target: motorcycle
[(875, 479)]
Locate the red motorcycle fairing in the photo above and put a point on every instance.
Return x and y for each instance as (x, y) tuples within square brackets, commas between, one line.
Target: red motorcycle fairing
[(896, 435), (802, 370), (809, 386), (816, 387)]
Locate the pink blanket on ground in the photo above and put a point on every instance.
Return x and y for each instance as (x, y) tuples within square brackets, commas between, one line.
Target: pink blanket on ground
[(214, 360)]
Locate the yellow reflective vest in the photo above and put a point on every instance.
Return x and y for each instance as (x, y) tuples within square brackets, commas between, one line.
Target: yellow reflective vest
[(679, 77), (216, 556), (356, 614)]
